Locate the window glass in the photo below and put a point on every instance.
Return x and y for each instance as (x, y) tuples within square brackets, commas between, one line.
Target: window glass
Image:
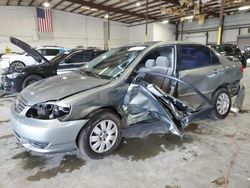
[(49, 52), (76, 58), (112, 63), (237, 51), (247, 49), (166, 51), (52, 52), (194, 57), (87, 56), (228, 49)]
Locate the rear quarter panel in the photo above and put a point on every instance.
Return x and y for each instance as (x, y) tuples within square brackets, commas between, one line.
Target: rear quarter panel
[(231, 69)]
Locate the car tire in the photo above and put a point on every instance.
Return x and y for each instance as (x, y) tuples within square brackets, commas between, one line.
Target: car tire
[(30, 80), (101, 136), (222, 103), (16, 65)]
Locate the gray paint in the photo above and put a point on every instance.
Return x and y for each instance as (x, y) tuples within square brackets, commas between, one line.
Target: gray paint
[(85, 95)]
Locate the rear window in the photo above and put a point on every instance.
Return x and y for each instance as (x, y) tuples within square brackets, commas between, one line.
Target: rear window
[(49, 52), (228, 49), (192, 57)]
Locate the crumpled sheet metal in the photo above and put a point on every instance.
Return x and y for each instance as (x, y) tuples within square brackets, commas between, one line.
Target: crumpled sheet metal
[(140, 105)]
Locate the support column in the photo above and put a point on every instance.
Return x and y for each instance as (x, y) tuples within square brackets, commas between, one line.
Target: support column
[(146, 29), (221, 23), (182, 26), (176, 31), (109, 44)]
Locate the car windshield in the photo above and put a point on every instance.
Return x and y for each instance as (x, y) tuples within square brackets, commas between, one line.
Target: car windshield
[(112, 63), (247, 48)]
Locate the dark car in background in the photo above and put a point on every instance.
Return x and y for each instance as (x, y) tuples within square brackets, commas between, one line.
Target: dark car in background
[(229, 51), (247, 54), (16, 80)]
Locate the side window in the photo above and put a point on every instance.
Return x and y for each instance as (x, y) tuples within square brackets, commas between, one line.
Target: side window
[(237, 51), (41, 51), (76, 58), (228, 50), (52, 52), (192, 57), (166, 51), (87, 56)]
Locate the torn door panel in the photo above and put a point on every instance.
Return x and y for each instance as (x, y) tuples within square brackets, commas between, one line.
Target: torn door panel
[(148, 103), (140, 105)]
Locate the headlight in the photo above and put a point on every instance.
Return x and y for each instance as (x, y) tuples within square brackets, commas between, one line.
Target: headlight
[(13, 75), (48, 110)]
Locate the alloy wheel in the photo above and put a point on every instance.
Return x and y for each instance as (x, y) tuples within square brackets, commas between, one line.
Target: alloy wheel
[(103, 136), (222, 103)]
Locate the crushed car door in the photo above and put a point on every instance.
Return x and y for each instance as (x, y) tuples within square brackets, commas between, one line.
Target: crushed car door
[(200, 67), (146, 102)]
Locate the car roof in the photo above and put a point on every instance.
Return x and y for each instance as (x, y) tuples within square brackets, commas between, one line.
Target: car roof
[(159, 43), (50, 47)]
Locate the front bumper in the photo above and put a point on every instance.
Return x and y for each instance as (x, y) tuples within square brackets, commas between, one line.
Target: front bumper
[(45, 136), (6, 84)]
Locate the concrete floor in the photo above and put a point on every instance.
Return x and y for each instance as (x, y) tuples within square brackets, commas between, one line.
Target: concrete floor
[(210, 153)]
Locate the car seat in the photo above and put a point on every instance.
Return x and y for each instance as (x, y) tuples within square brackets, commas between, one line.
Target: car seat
[(162, 66)]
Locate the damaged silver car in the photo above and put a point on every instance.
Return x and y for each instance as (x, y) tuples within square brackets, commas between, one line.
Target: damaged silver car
[(170, 84)]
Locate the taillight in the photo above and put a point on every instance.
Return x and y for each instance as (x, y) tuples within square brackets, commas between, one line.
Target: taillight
[(241, 68)]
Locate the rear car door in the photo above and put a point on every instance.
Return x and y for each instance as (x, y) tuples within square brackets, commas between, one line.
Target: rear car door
[(74, 61), (199, 66)]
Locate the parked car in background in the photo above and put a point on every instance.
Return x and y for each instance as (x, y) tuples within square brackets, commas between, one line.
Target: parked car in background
[(247, 54), (230, 50), (19, 60), (18, 79), (89, 108)]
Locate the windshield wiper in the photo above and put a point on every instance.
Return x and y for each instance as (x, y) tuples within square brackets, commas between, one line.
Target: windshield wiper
[(95, 74)]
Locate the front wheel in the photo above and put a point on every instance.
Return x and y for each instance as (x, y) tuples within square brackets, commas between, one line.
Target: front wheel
[(101, 136), (16, 65), (30, 80), (222, 103)]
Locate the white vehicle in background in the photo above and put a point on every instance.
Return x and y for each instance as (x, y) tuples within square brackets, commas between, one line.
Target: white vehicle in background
[(18, 60)]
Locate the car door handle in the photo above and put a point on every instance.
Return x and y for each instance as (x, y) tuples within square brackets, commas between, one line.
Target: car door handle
[(215, 71)]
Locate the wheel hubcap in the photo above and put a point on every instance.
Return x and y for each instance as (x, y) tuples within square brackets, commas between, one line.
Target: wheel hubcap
[(103, 136), (18, 66), (222, 103)]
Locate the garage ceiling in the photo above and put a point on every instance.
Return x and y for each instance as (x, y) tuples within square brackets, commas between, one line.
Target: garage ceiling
[(134, 11)]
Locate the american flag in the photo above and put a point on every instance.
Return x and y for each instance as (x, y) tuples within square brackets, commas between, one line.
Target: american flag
[(44, 20)]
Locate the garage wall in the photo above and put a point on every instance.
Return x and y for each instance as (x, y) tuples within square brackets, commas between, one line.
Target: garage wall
[(234, 24), (70, 29), (156, 32), (163, 32), (137, 33)]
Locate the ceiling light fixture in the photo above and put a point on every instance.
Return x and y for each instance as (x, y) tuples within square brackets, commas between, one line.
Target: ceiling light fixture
[(189, 17), (46, 4), (138, 4), (106, 16), (165, 21), (244, 8), (94, 9), (85, 7)]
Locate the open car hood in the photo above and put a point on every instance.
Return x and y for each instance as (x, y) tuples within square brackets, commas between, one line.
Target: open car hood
[(28, 49)]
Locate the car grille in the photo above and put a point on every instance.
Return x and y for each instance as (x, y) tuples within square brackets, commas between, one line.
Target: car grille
[(20, 104)]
